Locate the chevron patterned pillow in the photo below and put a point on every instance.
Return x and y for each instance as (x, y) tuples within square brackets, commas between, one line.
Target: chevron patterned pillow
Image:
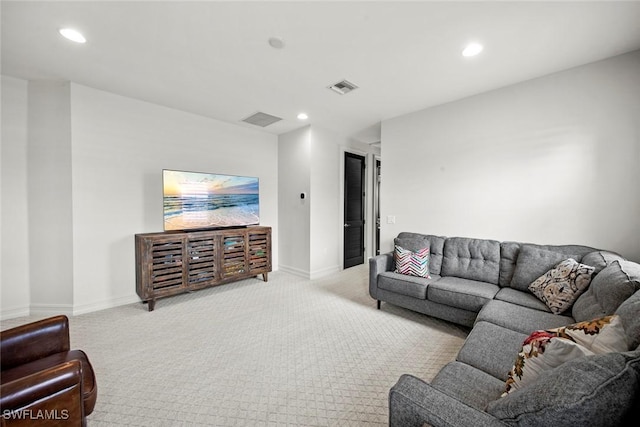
[(412, 263)]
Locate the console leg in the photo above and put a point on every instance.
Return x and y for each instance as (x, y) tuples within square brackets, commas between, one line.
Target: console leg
[(265, 277), (152, 304), (378, 304)]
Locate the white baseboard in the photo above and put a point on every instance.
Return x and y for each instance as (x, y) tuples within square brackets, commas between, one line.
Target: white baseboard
[(316, 274), (70, 310), (295, 271), (103, 305), (50, 309), (12, 313)]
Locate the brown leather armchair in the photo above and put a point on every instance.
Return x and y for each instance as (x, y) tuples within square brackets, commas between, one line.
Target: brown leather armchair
[(43, 382)]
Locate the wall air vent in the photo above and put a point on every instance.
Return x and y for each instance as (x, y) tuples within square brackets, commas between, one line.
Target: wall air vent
[(262, 119), (343, 87)]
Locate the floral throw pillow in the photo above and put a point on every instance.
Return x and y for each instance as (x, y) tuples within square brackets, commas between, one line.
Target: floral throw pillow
[(412, 263), (548, 349), (559, 287)]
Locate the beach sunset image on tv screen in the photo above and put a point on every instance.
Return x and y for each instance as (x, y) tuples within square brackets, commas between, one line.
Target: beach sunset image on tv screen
[(205, 200)]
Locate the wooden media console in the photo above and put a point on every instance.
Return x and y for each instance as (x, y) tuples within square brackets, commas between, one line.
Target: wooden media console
[(170, 263)]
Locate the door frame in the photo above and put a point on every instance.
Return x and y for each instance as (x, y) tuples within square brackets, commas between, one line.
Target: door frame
[(368, 208), (375, 201)]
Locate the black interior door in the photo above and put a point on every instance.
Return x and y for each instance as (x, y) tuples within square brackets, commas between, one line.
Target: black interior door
[(353, 209)]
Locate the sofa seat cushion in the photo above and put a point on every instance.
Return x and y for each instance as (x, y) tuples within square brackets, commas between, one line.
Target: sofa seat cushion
[(89, 385), (415, 403), (473, 259), (492, 349), (525, 299), (403, 284), (594, 390), (521, 319), (462, 293), (468, 385)]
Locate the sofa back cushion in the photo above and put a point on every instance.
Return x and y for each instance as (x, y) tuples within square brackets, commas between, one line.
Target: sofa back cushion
[(600, 259), (588, 391), (532, 263), (608, 289), (510, 253), (415, 241), (473, 259)]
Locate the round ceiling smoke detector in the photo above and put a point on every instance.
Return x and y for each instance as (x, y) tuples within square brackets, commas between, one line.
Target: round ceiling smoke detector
[(276, 42)]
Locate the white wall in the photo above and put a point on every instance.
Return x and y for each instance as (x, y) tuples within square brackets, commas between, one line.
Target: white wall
[(49, 197), (294, 213), (81, 170), (311, 160), (14, 255), (552, 160), (326, 217), (120, 146)]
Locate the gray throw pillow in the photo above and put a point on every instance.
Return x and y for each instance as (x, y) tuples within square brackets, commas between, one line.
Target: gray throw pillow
[(589, 391), (609, 288), (532, 263)]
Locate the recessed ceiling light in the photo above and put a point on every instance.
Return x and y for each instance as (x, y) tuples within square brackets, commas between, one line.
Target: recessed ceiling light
[(276, 42), (303, 116), (472, 49), (73, 35)]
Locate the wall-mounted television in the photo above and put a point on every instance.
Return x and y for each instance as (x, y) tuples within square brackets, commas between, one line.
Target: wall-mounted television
[(196, 200)]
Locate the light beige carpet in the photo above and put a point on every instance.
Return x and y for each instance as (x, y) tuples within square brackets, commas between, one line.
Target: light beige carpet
[(289, 352)]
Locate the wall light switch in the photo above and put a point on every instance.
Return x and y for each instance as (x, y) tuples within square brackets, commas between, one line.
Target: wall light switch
[(391, 219)]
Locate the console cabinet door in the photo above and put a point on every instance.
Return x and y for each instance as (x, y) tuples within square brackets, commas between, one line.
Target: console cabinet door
[(234, 262), (202, 249), (259, 251), (161, 261)]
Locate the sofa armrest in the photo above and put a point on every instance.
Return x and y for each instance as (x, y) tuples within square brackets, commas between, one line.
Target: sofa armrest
[(413, 402), (378, 264), (33, 341), (54, 395)]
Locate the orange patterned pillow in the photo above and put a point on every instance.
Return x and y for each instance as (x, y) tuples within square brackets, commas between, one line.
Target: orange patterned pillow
[(547, 349)]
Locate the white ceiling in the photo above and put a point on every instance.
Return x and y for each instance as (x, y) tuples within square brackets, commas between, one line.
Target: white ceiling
[(213, 58)]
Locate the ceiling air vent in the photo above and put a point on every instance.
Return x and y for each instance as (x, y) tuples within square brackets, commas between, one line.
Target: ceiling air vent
[(343, 87), (262, 119)]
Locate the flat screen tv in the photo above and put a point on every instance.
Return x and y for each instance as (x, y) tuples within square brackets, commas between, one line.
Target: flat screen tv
[(195, 200)]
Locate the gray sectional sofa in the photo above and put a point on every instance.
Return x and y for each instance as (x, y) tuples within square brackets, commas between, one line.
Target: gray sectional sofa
[(483, 284)]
